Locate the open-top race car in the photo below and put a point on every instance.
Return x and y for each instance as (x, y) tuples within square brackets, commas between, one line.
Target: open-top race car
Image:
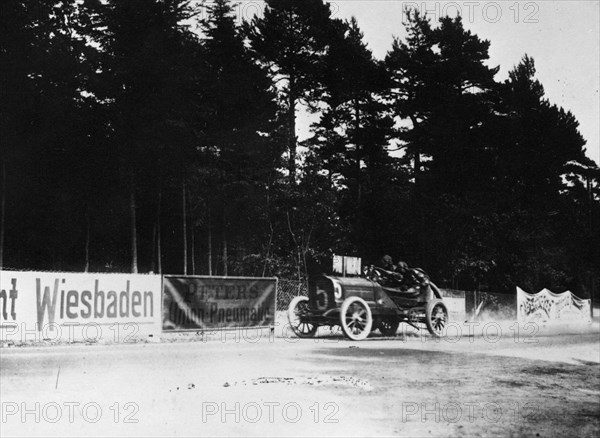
[(379, 300)]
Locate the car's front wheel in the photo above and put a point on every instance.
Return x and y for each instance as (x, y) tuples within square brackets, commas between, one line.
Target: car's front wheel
[(356, 318), (436, 317)]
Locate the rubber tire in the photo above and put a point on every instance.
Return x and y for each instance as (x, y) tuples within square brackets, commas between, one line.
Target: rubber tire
[(434, 326), (293, 316), (388, 326), (369, 319)]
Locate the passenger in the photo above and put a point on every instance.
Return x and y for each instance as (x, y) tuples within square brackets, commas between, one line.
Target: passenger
[(400, 276), (394, 277), (387, 263)]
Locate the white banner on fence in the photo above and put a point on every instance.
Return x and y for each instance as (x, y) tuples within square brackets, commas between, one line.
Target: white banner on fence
[(352, 265), (455, 303), (546, 306), (66, 307), (346, 265), (338, 264)]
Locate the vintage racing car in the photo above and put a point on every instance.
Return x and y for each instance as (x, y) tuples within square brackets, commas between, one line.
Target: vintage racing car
[(375, 301)]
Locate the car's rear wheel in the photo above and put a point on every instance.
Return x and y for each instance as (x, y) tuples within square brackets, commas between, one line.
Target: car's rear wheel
[(356, 318), (436, 317), (297, 311), (388, 325)]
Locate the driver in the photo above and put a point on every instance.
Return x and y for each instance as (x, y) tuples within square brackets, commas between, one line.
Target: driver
[(401, 268), (400, 275), (394, 273)]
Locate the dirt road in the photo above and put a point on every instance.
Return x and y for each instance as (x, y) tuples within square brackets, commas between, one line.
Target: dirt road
[(481, 385)]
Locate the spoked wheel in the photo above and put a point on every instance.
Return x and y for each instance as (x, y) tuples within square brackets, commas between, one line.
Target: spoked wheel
[(388, 325), (296, 310), (356, 318), (436, 317)]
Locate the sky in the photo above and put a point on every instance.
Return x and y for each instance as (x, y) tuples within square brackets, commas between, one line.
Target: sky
[(562, 37)]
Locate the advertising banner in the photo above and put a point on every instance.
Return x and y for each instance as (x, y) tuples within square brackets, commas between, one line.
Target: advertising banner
[(546, 306), (338, 264), (195, 302), (455, 303), (352, 265), (56, 306), (346, 265)]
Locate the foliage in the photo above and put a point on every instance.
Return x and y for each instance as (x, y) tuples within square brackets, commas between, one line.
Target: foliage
[(132, 140)]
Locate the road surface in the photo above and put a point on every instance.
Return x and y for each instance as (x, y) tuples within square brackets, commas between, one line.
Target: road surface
[(242, 385)]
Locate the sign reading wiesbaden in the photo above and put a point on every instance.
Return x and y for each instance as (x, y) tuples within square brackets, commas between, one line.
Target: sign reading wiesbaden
[(218, 302), (77, 306)]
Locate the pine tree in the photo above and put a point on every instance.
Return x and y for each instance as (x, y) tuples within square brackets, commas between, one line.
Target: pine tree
[(45, 131), (412, 67), (353, 134), (146, 80), (536, 142), (291, 39), (443, 94), (241, 110)]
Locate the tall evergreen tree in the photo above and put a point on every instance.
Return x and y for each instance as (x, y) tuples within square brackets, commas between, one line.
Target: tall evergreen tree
[(541, 138), (412, 67), (147, 75), (353, 133), (45, 132), (291, 38), (443, 93), (241, 111), (536, 143)]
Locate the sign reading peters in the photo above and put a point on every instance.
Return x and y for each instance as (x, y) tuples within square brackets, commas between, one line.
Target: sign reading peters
[(69, 304), (218, 302)]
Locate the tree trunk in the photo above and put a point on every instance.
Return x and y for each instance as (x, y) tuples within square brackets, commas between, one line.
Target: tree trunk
[(184, 225), (209, 246), (158, 232), (134, 258), (153, 264), (358, 150), (422, 249), (271, 232), (417, 165), (87, 238), (225, 268), (2, 214), (291, 116), (193, 249), (416, 153), (267, 255)]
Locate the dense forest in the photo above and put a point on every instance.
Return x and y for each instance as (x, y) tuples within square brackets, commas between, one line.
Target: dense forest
[(151, 135)]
